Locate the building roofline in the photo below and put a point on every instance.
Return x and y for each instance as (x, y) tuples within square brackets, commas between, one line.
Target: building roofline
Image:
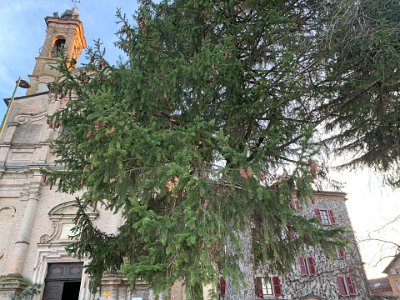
[(330, 193), (7, 100), (395, 258)]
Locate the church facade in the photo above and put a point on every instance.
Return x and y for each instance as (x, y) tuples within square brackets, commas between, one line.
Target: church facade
[(36, 220)]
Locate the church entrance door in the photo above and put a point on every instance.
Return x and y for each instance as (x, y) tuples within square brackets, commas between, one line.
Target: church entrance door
[(63, 281)]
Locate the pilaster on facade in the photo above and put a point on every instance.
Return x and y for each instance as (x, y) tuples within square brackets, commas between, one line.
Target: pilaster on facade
[(25, 149), (11, 285)]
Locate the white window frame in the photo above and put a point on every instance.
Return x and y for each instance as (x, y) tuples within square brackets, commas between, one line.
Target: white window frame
[(267, 287), (325, 220)]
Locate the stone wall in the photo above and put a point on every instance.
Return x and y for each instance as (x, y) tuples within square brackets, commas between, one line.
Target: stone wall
[(316, 276)]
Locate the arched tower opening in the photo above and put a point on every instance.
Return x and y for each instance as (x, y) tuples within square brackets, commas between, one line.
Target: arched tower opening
[(64, 35), (58, 47)]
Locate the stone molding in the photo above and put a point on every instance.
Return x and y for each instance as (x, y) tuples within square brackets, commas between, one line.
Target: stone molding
[(60, 215), (57, 254), (22, 119), (11, 285)]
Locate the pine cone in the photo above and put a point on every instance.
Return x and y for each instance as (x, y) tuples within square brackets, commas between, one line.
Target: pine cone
[(89, 135)]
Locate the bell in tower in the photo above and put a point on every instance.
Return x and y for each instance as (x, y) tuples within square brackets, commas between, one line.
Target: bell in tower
[(64, 35)]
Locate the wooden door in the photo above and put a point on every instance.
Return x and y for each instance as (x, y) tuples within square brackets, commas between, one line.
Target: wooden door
[(59, 274)]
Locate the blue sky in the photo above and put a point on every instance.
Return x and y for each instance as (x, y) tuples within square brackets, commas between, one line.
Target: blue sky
[(22, 32)]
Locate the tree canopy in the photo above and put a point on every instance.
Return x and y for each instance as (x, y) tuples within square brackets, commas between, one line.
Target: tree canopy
[(363, 66), (209, 128)]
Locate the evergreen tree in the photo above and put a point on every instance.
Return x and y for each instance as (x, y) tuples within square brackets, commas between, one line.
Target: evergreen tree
[(362, 74), (204, 134)]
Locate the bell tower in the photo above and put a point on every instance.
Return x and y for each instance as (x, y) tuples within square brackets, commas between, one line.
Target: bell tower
[(26, 142), (64, 34)]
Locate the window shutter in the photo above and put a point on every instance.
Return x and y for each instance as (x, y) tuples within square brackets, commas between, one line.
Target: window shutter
[(318, 215), (350, 285), (295, 204), (341, 253), (259, 287), (277, 286), (331, 217), (302, 265), (292, 233), (342, 288), (311, 265), (222, 286)]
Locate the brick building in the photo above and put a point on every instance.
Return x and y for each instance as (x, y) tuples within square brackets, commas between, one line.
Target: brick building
[(35, 220), (393, 275), (380, 288)]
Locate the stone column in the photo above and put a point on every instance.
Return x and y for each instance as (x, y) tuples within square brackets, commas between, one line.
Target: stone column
[(17, 260)]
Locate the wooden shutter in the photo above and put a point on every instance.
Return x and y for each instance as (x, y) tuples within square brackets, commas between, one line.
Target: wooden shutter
[(259, 287), (222, 286), (350, 285), (302, 265), (331, 217), (295, 204), (277, 286), (341, 253), (342, 288), (311, 265), (292, 232), (318, 215)]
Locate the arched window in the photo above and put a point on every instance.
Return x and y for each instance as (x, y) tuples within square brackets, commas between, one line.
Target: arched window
[(58, 47)]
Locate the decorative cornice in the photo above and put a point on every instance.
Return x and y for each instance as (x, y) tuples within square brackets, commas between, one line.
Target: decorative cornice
[(7, 100)]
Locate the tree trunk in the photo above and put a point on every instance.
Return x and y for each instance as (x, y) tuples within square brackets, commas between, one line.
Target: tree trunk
[(245, 261)]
